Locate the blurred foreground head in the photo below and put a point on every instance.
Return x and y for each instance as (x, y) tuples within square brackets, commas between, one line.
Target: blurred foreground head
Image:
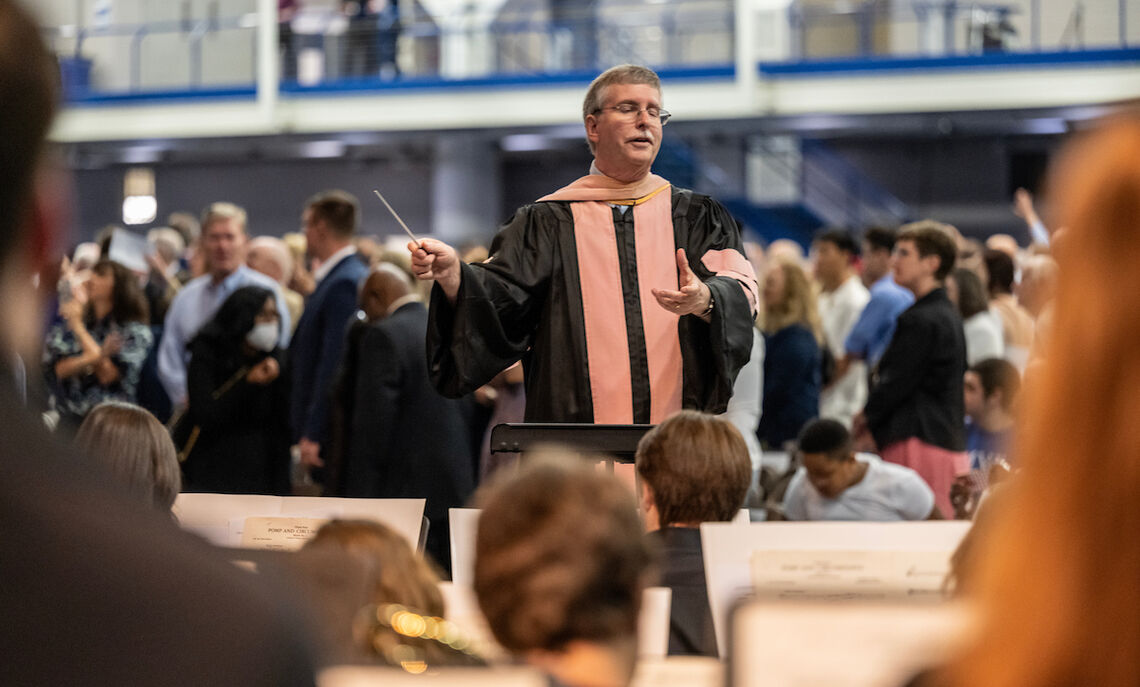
[(29, 218), (1057, 579), (561, 561)]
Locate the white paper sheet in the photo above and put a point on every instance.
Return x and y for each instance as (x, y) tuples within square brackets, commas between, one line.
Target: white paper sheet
[(859, 644), (728, 549), (221, 518), (129, 250)]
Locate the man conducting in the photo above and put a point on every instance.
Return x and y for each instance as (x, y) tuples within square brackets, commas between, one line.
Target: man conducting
[(626, 298)]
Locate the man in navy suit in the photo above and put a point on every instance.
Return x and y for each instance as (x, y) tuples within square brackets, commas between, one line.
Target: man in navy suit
[(330, 220)]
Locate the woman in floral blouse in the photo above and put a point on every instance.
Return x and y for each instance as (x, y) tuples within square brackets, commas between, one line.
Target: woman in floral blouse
[(96, 352)]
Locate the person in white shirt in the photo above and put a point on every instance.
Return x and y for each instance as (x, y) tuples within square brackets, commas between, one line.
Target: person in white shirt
[(841, 301), (981, 326), (836, 484), (224, 242)]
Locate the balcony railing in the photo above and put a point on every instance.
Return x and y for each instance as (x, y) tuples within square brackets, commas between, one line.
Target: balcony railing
[(218, 54)]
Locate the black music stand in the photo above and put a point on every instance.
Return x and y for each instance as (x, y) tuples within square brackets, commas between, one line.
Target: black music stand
[(613, 443)]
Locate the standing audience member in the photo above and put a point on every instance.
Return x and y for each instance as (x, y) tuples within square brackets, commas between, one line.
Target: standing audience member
[(914, 410), (747, 404), (1023, 207), (506, 394), (302, 281), (561, 562), (1036, 293), (330, 220), (1055, 582), (234, 435), (136, 448), (165, 263), (792, 360), (270, 256), (991, 390), (159, 606), (188, 227), (224, 245), (842, 299), (694, 468), (834, 483), (876, 324), (1017, 324), (405, 440), (97, 351), (980, 325)]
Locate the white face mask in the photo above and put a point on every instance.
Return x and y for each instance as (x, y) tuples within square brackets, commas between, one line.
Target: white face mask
[(263, 337)]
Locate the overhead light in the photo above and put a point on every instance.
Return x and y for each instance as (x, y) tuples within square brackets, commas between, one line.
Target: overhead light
[(139, 209), (522, 143), (139, 203), (1046, 125), (323, 149)]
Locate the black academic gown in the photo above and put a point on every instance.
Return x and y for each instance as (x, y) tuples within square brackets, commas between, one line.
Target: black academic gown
[(526, 303)]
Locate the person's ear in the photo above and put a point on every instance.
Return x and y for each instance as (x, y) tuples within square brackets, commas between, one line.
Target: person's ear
[(592, 134), (931, 262)]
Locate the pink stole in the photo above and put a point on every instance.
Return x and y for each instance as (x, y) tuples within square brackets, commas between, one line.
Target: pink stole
[(603, 304)]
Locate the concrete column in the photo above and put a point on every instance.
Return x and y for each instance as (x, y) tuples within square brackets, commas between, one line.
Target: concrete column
[(466, 189)]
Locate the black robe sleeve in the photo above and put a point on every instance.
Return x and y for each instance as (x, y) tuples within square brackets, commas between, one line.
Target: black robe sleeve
[(497, 308), (715, 351)]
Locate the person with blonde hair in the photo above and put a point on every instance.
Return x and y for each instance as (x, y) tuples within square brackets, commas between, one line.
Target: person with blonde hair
[(1056, 578), (792, 362)]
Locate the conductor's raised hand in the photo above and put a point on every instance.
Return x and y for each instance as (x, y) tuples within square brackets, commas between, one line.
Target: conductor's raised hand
[(694, 295), (436, 260)]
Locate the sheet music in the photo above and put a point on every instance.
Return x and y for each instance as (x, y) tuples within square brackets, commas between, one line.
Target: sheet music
[(845, 575)]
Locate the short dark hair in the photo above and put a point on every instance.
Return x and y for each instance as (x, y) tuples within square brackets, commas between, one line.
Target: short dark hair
[(840, 238), (1001, 270), (880, 238), (827, 436), (697, 466), (340, 210), (29, 89), (932, 238), (128, 302), (997, 374), (136, 447), (971, 294), (560, 555)]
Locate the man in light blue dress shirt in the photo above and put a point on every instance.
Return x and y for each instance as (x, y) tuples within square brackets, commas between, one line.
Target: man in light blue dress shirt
[(873, 330), (224, 242)]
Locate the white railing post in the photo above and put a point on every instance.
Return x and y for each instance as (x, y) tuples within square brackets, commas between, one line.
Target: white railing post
[(268, 61), (745, 44)]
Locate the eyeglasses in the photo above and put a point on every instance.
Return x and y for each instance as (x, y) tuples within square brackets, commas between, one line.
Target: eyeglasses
[(631, 111)]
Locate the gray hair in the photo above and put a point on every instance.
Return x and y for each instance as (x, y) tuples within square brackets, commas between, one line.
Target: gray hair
[(167, 243), (621, 74), (276, 250)]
